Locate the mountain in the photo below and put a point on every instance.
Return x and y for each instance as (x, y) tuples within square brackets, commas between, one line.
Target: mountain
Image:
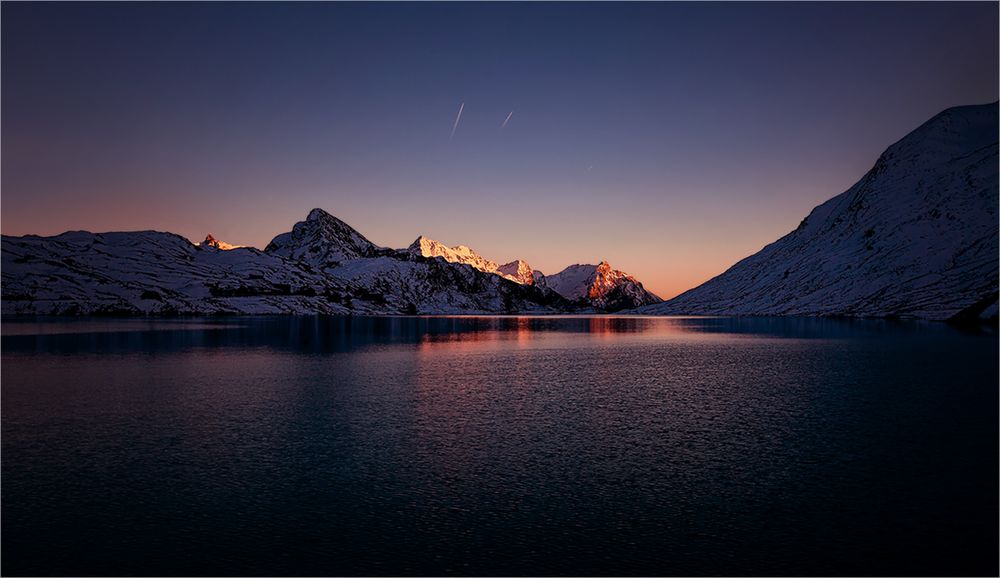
[(321, 266), (915, 237), (322, 240), (599, 285), (458, 254), (212, 242), (518, 271)]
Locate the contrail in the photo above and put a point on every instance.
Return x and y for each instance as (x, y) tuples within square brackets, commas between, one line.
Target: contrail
[(457, 118), (506, 120)]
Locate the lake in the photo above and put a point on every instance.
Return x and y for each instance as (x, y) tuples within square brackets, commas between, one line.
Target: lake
[(499, 446)]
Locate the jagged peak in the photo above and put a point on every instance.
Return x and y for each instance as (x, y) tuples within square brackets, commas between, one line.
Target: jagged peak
[(319, 214), (322, 217), (322, 239), (420, 242)]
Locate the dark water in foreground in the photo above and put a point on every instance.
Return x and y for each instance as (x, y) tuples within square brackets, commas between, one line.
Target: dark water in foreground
[(637, 446)]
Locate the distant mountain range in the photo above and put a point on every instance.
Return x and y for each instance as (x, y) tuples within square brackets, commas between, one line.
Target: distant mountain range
[(916, 237), (322, 265)]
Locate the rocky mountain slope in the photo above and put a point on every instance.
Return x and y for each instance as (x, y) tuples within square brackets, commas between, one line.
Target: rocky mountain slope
[(915, 237), (599, 285)]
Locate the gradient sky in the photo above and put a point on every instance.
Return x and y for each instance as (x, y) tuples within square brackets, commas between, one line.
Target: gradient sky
[(669, 139)]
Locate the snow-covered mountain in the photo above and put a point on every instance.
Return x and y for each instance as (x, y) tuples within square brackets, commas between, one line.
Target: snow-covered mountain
[(321, 266), (518, 271), (459, 254), (322, 240), (599, 285), (915, 237)]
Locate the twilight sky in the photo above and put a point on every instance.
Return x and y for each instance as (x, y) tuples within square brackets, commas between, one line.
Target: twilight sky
[(669, 139)]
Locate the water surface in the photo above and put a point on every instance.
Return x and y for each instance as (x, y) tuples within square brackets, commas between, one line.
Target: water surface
[(574, 445)]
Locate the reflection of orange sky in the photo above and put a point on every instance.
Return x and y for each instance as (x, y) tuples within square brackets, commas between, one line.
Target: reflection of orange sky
[(525, 332), (520, 333)]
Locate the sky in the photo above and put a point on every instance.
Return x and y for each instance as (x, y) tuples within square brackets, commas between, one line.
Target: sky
[(670, 139)]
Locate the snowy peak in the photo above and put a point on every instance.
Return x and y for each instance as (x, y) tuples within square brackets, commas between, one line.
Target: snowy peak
[(322, 240), (458, 254), (605, 279), (213, 243), (573, 282), (917, 236), (601, 285), (518, 271)]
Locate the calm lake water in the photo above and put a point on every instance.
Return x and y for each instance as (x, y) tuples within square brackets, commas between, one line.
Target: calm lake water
[(640, 446)]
